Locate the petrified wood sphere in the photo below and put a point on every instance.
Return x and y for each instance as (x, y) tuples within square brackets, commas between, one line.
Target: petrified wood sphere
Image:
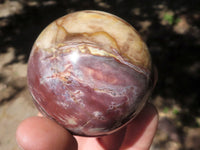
[(91, 72)]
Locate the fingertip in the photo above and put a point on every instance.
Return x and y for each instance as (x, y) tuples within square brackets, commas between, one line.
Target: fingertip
[(138, 134), (44, 134), (150, 112), (147, 117), (142, 129)]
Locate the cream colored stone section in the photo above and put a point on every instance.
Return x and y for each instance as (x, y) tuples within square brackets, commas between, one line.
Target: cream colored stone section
[(99, 26)]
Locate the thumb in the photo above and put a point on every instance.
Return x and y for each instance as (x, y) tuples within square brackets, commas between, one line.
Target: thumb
[(44, 134)]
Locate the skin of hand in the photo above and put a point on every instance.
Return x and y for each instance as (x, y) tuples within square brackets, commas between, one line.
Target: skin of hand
[(41, 133)]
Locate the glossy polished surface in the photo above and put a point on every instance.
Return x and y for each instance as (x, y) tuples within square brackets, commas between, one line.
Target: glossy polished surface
[(91, 72)]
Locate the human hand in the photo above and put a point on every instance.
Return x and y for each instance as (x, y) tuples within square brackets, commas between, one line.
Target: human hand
[(40, 133)]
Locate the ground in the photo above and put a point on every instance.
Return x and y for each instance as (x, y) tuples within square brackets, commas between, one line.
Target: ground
[(171, 30)]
